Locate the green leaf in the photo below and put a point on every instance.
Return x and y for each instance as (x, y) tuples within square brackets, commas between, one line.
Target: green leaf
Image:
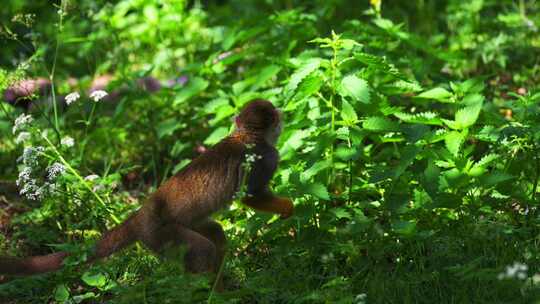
[(438, 94), (357, 88), (61, 293), (425, 118), (467, 116), (95, 280), (346, 153), (341, 213), (318, 190), (313, 170), (453, 141), (216, 136), (347, 112), (378, 123), (405, 228), (195, 86), (302, 72), (168, 127)]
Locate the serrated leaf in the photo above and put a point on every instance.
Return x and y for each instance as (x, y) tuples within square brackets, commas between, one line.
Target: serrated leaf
[(346, 153), (347, 112), (480, 167), (216, 136), (438, 94), (379, 64), (309, 86), (302, 72), (357, 88), (467, 116), (194, 86), (313, 170), (425, 118), (378, 123), (494, 178), (318, 190), (453, 141), (95, 280)]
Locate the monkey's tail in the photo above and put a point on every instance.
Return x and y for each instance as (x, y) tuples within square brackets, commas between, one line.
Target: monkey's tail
[(32, 265), (117, 238), (112, 241)]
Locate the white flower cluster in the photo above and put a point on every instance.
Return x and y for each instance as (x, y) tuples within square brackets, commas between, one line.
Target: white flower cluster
[(55, 170), (22, 122), (30, 156), (98, 95), (91, 177), (251, 158), (72, 97), (360, 298), (22, 137), (67, 141), (31, 185), (514, 271)]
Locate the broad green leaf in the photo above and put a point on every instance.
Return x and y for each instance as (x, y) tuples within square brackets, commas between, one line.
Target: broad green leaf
[(318, 190), (378, 123), (347, 112), (302, 72), (453, 141), (346, 153), (313, 170), (341, 213), (405, 228), (438, 94), (61, 293), (264, 75), (467, 116), (168, 127), (216, 136), (95, 280), (357, 88), (194, 86)]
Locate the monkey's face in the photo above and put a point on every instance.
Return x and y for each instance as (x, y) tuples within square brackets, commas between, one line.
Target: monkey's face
[(272, 134)]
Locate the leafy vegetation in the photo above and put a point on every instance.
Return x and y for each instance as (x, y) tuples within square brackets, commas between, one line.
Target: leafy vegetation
[(411, 145)]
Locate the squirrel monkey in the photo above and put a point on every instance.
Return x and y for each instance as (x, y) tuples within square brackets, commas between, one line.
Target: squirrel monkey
[(179, 210)]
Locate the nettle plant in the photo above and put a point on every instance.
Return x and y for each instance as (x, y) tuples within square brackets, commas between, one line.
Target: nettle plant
[(363, 134)]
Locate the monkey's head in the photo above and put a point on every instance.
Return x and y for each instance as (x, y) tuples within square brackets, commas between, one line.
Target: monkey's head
[(262, 118)]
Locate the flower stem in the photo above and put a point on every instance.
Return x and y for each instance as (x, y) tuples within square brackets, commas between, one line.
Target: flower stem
[(80, 178)]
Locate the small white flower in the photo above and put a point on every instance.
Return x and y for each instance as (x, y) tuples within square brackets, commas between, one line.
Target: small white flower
[(55, 170), (67, 141), (22, 137), (25, 176), (21, 122), (91, 177), (515, 271), (98, 95), (30, 156), (72, 97)]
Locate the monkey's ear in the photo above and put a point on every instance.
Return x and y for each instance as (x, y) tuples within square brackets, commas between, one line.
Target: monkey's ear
[(237, 121)]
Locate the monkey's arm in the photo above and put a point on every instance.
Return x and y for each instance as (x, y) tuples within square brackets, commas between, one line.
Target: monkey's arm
[(260, 197)]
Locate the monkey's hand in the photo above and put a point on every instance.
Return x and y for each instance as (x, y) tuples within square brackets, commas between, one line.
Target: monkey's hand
[(280, 205)]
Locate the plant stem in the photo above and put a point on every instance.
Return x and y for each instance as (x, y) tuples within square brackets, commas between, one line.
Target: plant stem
[(80, 178)]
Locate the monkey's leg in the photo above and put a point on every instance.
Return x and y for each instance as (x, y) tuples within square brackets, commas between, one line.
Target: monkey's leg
[(274, 204), (202, 253), (212, 230)]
